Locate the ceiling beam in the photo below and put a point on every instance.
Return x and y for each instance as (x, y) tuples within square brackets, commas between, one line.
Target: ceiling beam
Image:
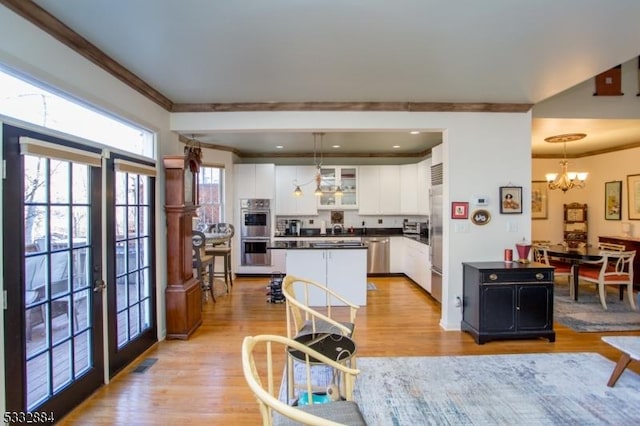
[(352, 106)]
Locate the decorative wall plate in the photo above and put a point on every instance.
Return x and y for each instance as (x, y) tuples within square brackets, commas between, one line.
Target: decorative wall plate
[(480, 217), (337, 216)]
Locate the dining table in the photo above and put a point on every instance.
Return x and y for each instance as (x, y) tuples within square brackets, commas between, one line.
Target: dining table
[(576, 256)]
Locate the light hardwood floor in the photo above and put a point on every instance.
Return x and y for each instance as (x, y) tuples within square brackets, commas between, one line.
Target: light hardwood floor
[(200, 381)]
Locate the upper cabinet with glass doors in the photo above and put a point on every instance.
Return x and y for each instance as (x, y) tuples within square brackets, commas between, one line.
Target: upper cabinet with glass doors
[(339, 187)]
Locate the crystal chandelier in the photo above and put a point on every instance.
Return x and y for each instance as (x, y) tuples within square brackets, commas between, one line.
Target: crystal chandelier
[(566, 180)]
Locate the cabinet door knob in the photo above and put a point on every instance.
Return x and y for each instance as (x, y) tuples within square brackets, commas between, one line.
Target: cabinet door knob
[(493, 277), (539, 276)]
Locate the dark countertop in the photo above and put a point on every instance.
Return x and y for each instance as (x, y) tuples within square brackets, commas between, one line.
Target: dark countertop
[(372, 232), (298, 245), (357, 232)]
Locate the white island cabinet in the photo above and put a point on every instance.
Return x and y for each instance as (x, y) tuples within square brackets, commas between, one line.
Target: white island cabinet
[(342, 270)]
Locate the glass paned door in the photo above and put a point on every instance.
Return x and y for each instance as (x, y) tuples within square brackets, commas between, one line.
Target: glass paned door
[(51, 237), (131, 268), (132, 256), (58, 275)]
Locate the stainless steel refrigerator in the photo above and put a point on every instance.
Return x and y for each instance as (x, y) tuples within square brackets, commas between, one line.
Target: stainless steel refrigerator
[(435, 231)]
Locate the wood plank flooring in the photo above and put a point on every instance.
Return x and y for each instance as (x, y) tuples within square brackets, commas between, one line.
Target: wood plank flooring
[(200, 381)]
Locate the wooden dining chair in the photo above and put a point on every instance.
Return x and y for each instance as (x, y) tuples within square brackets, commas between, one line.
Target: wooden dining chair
[(611, 246), (305, 319), (613, 268), (560, 268), (260, 355)]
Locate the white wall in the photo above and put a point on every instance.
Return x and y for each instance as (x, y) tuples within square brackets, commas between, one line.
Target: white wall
[(602, 168), (482, 151), (32, 52), (579, 102)]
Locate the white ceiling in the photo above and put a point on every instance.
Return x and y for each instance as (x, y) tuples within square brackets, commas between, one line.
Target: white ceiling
[(462, 51)]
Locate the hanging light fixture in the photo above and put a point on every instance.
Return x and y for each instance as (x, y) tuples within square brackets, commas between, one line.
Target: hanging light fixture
[(566, 180), (318, 163)]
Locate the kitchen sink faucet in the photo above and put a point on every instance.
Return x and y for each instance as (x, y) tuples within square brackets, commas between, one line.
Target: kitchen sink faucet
[(337, 227)]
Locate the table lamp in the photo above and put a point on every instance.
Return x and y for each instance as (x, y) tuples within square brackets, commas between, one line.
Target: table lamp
[(626, 229), (523, 248)]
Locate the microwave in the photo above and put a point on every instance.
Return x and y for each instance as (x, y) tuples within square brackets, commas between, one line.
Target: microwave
[(415, 228)]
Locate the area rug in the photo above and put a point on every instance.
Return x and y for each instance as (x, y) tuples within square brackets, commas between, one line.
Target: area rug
[(533, 389), (587, 314)]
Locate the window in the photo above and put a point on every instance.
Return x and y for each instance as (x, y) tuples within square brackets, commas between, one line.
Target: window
[(210, 197), (27, 102)]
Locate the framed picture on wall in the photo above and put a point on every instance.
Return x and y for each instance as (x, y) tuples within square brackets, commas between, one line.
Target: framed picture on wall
[(459, 210), (511, 199), (613, 200), (633, 196), (539, 199)]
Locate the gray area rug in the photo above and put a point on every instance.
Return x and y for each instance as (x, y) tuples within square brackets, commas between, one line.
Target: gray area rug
[(534, 389), (587, 314)]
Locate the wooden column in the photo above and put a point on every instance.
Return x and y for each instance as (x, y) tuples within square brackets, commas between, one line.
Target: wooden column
[(183, 293)]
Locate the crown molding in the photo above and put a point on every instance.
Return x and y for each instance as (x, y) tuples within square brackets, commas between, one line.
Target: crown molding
[(58, 30)]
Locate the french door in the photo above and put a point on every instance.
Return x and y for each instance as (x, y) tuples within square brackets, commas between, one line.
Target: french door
[(60, 201), (52, 273), (130, 265)]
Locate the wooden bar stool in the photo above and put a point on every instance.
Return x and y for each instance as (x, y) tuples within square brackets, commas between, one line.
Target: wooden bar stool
[(201, 263), (222, 250)]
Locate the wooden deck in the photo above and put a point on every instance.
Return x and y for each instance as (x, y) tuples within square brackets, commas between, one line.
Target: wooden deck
[(61, 370), (200, 381)]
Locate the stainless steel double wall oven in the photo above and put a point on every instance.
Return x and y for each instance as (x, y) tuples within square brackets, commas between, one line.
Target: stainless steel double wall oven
[(255, 232)]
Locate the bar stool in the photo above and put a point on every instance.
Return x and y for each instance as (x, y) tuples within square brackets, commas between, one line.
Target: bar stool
[(222, 250), (201, 263)]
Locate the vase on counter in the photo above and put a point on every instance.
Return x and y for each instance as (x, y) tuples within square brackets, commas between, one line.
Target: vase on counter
[(523, 247)]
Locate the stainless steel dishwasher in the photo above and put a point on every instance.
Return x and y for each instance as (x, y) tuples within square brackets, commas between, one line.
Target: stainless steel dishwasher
[(377, 254)]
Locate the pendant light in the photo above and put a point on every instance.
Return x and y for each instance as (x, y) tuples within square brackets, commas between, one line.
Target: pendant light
[(566, 180), (318, 164)]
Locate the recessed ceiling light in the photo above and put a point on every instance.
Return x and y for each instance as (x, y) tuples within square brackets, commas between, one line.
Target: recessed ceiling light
[(279, 146), (396, 146), (335, 146), (414, 132)]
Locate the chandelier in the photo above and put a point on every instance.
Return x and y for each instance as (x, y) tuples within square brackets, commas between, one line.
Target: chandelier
[(566, 180), (317, 161)]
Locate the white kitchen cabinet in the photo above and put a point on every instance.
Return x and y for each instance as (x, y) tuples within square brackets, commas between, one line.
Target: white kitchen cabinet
[(254, 181), (369, 196), (397, 255), (342, 270), (409, 184), (345, 177), (390, 189), (424, 185), (286, 177), (279, 261), (417, 265), (379, 190)]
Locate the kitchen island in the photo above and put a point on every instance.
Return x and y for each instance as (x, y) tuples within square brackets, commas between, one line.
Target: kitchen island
[(340, 265)]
